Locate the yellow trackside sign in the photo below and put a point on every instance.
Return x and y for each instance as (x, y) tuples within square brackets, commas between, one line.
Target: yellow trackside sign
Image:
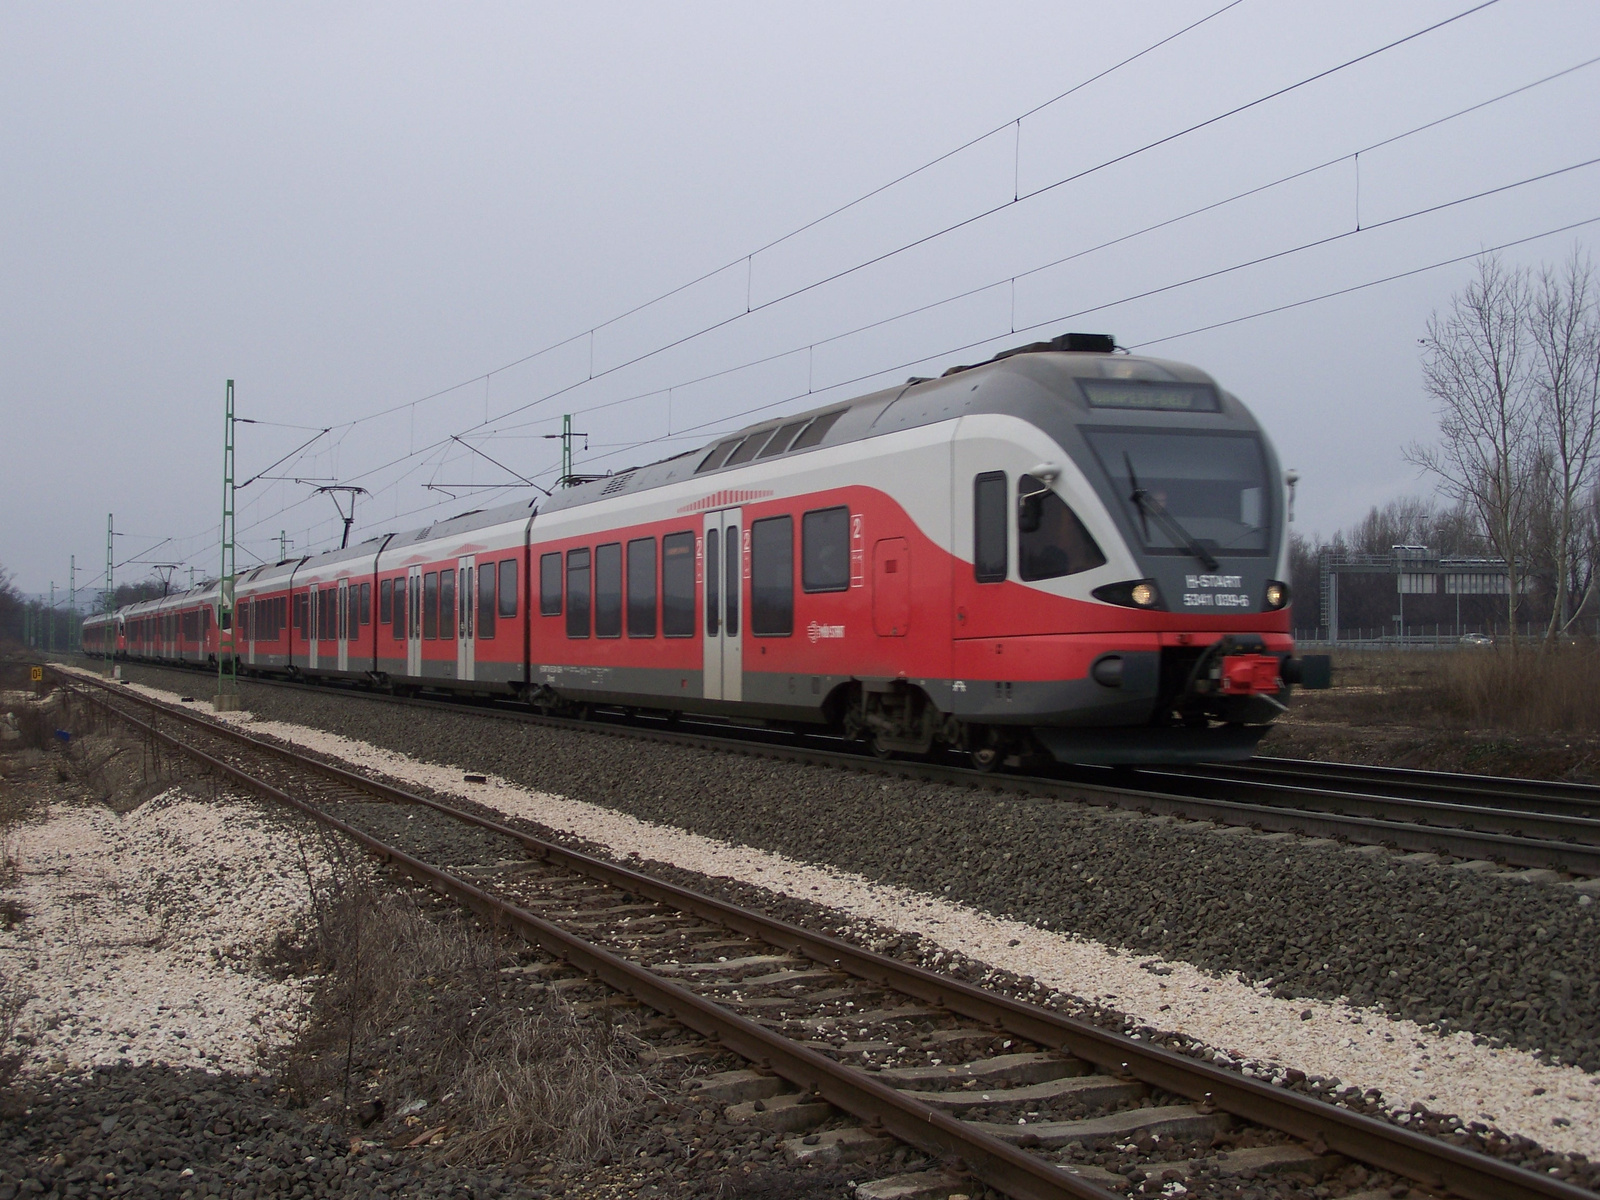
[(36, 674)]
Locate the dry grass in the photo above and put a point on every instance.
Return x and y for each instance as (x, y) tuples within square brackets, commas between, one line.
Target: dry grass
[(13, 998), (1529, 692), (1483, 688), (413, 1007)]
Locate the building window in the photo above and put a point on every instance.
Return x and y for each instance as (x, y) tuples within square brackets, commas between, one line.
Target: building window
[(577, 593), (608, 590), (989, 527), (642, 588), (550, 585), (772, 577), (677, 585)]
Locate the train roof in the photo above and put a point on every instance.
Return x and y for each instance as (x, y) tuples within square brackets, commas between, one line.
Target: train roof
[(918, 401)]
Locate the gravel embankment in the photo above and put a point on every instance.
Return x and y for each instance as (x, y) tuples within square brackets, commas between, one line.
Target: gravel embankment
[(1501, 958)]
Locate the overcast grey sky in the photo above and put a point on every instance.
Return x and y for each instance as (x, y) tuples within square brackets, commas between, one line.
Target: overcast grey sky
[(349, 209)]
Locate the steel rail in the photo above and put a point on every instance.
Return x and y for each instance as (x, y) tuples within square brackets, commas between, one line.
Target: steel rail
[(1376, 1143), (1541, 795), (1514, 822), (1511, 849)]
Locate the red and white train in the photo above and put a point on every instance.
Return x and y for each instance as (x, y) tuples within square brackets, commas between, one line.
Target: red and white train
[(1063, 550)]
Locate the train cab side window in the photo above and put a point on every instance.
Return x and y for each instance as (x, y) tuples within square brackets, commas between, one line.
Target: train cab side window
[(508, 588), (486, 601), (430, 605), (989, 526), (772, 577), (1051, 540), (400, 609), (550, 585), (447, 603), (577, 593), (365, 608), (677, 585), (642, 588), (825, 550), (608, 590), (386, 602)]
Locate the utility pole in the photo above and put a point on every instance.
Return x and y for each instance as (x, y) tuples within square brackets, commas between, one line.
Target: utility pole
[(227, 699), (111, 599), (74, 624), (283, 544), (50, 642), (568, 479)]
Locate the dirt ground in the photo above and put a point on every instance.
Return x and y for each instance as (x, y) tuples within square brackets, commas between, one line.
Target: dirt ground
[(1384, 709)]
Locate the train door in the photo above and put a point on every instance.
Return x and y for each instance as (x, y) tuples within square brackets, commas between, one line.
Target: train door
[(344, 625), (891, 587), (313, 625), (722, 569), (466, 632), (250, 615), (414, 621)]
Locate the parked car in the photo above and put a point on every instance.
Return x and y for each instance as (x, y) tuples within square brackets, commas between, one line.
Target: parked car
[(1476, 639)]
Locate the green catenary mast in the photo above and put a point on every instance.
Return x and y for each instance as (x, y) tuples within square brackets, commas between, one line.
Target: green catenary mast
[(227, 681)]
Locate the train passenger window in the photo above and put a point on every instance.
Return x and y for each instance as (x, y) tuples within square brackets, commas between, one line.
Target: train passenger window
[(817, 430), (825, 550), (779, 441), (486, 599), (772, 577), (447, 603), (508, 587), (717, 455), (400, 609), (642, 588), (577, 593), (364, 610), (466, 602), (989, 525), (386, 602), (677, 585), (713, 589), (300, 614), (747, 450), (430, 605), (550, 585), (731, 578), (608, 590)]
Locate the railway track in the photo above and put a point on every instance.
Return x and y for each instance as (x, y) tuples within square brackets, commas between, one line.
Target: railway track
[(1521, 823), (1017, 1097)]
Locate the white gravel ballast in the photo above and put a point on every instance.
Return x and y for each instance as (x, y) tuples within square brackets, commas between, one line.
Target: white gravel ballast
[(144, 931), (1557, 1106)]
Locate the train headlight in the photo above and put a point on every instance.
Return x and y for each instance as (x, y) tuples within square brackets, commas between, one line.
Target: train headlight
[(1277, 594), (1136, 593)]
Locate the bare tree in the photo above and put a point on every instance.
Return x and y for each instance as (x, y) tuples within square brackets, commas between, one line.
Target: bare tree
[(1564, 337), (1476, 366)]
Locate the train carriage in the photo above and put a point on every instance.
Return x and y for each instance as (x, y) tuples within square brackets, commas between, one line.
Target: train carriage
[(1063, 551)]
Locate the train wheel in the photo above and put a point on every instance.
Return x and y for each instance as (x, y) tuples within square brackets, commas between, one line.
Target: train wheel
[(989, 750)]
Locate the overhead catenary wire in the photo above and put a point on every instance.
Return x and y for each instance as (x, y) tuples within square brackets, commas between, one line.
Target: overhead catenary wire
[(462, 435)]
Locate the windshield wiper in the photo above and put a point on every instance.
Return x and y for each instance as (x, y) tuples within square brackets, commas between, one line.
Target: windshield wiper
[(1149, 506)]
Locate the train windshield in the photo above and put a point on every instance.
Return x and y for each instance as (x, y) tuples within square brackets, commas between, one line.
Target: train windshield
[(1188, 492)]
